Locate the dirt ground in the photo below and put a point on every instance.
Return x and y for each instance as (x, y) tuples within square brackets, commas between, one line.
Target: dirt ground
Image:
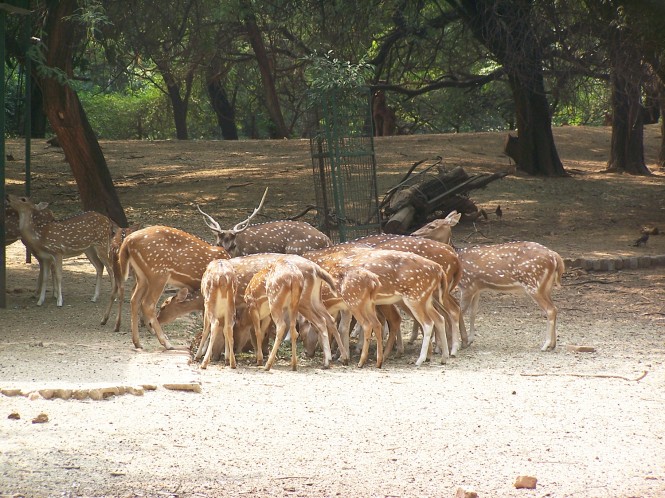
[(584, 424)]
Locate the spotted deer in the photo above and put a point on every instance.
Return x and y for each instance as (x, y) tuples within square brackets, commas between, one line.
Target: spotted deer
[(290, 286), (118, 289), (511, 267), (87, 233), (369, 277), (444, 255), (439, 229), (40, 217), (285, 236), (218, 288), (245, 268), (161, 255)]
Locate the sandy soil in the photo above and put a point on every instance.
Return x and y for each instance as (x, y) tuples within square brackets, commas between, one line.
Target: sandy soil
[(585, 424)]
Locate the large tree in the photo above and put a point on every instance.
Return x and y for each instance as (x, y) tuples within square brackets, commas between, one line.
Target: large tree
[(62, 33), (508, 29)]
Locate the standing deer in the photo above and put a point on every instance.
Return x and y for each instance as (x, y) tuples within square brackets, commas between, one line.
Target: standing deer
[(512, 267), (88, 233), (439, 253), (285, 236), (218, 288), (245, 268), (161, 255), (40, 217), (273, 292), (369, 277)]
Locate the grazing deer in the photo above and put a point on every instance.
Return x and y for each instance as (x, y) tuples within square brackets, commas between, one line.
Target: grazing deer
[(88, 233), (269, 292), (369, 277), (218, 288), (118, 290), (275, 292), (245, 268), (445, 256), (287, 237), (439, 229), (161, 255), (512, 267)]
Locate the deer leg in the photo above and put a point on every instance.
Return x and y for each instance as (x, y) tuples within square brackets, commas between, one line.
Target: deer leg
[(99, 269), (214, 332), (394, 320), (280, 326), (57, 272), (148, 306), (468, 298), (294, 337), (259, 332), (134, 307), (545, 302), (44, 268), (204, 336), (451, 313)]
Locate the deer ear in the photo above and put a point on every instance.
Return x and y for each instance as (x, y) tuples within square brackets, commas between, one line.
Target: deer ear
[(453, 218), (42, 205), (181, 295)]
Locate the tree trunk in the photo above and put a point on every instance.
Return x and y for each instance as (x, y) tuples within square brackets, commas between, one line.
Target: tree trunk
[(220, 103), (537, 154), (37, 115), (661, 154), (505, 27), (179, 104), (627, 146), (68, 119), (265, 68)]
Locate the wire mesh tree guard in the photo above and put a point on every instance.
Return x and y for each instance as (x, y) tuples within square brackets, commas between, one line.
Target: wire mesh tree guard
[(344, 165)]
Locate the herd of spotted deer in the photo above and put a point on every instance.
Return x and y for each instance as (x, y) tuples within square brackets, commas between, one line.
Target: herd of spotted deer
[(290, 273)]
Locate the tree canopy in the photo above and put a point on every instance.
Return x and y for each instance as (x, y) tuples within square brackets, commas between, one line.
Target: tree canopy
[(239, 68)]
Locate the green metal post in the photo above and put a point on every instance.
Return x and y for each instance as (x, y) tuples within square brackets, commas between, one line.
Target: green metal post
[(3, 259)]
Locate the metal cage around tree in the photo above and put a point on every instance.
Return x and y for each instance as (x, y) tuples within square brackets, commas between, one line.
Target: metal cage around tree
[(344, 165)]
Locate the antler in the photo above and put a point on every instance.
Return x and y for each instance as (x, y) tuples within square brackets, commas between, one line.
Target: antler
[(210, 221), (244, 224)]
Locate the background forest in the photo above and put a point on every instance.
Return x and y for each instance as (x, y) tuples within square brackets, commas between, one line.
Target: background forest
[(230, 69)]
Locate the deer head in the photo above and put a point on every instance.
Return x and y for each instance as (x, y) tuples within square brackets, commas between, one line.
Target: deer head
[(227, 238)]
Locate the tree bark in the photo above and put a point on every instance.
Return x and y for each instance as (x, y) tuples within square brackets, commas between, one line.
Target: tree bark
[(627, 146), (536, 151), (69, 121), (220, 103), (179, 104), (265, 68)]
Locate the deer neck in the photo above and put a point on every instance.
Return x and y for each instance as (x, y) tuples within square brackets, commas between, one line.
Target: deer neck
[(29, 233)]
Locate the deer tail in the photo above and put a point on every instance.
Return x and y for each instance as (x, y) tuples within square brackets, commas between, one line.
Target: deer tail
[(560, 268), (327, 278), (123, 261)]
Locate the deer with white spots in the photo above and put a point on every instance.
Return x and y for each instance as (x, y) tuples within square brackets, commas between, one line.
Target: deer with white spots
[(439, 229), (87, 233), (370, 277), (218, 288), (40, 217), (511, 267), (285, 236), (444, 255), (161, 255), (287, 287), (245, 268)]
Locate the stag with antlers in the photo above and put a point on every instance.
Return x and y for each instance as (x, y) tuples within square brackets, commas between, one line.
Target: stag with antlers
[(283, 236)]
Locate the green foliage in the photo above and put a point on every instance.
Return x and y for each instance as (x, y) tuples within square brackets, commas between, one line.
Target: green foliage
[(136, 115), (326, 72)]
